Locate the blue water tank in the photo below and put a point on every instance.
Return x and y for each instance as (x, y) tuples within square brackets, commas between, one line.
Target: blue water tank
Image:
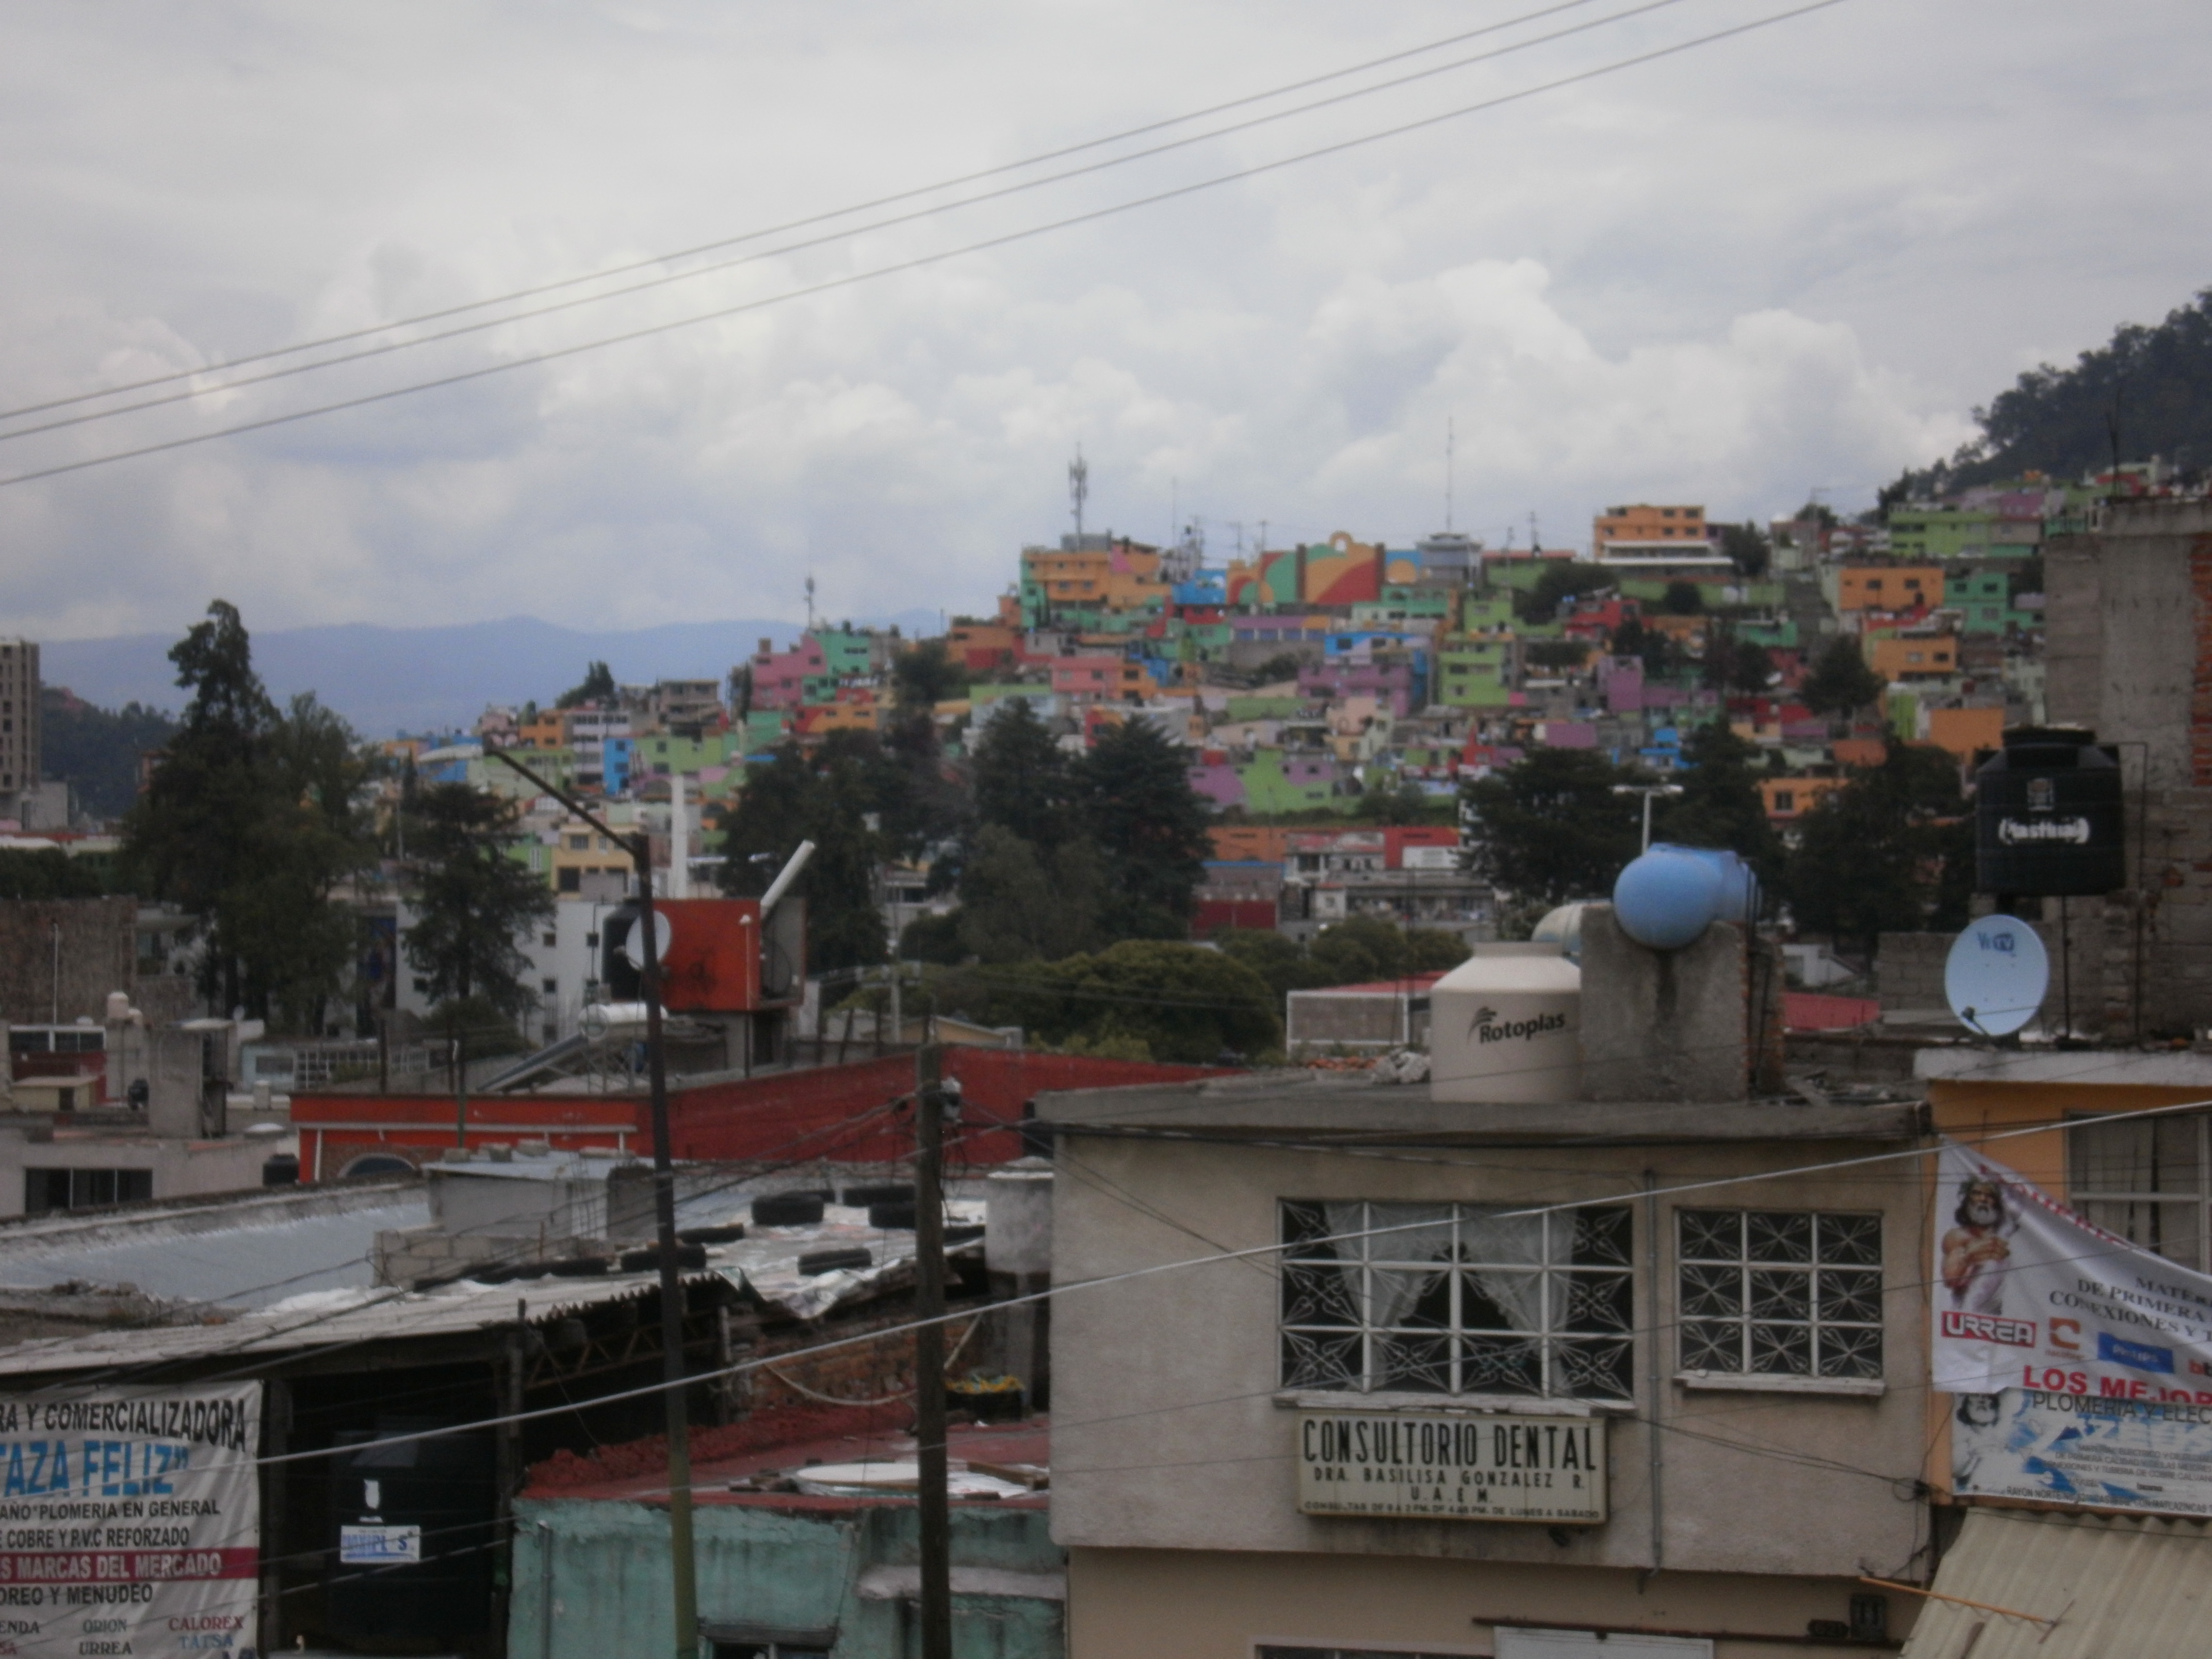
[(1668, 897)]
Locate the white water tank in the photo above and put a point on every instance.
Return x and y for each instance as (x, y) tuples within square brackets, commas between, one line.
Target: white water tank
[(1506, 1026)]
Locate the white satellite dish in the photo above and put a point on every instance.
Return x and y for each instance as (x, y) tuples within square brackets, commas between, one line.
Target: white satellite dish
[(1996, 976), (633, 944)]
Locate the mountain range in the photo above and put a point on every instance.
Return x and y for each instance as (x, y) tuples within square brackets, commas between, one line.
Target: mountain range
[(388, 680)]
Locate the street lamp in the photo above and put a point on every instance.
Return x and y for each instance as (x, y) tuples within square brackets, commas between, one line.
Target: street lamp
[(1647, 790)]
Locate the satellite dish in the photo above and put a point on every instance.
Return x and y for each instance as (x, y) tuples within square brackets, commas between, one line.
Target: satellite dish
[(633, 944), (1996, 976)]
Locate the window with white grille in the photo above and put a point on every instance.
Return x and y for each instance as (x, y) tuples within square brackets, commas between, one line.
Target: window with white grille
[(1457, 1299), (1779, 1293)]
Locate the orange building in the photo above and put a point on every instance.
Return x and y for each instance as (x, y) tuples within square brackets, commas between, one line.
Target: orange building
[(1785, 799), (1124, 577), (1643, 526), (981, 647), (1910, 657), (1965, 731), (1265, 843), (1888, 586)]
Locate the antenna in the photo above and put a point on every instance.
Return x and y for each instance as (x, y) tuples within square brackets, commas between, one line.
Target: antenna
[(1263, 535), (1175, 512), (809, 601), (1996, 974), (1449, 437), (1079, 488)]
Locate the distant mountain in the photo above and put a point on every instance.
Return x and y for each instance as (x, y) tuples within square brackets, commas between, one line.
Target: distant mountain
[(387, 680), (2154, 384)]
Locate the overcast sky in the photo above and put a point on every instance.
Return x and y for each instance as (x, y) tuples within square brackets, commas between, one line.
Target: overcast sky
[(1791, 260)]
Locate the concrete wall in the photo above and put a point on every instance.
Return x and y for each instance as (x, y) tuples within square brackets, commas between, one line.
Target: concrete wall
[(99, 954), (1673, 1025), (181, 1168), (1143, 1604), (791, 1567), (1172, 1432)]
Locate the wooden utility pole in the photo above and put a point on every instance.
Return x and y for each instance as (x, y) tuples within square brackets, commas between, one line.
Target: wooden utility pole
[(932, 1502), (640, 848)]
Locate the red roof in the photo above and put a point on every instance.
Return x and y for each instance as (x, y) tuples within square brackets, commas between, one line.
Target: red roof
[(1808, 1011)]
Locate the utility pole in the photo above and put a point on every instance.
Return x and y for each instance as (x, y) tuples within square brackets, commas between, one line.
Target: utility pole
[(934, 1507), (640, 848)]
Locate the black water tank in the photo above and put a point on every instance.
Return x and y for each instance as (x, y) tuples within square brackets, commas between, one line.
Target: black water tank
[(282, 1170), (2050, 816)]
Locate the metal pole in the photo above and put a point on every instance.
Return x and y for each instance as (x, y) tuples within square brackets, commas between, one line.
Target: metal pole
[(671, 1286), (640, 848), (934, 1507)]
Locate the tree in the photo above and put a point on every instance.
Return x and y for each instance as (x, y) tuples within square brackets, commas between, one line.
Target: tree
[(1283, 665), (1020, 903), (924, 675), (1885, 852), (97, 751), (472, 900), (1551, 827), (1720, 804), (1682, 599), (1633, 639), (1560, 579), (832, 800), (1748, 548), (48, 873), (1144, 998), (1150, 825), (1021, 777), (597, 686), (1840, 681), (1556, 653), (251, 820)]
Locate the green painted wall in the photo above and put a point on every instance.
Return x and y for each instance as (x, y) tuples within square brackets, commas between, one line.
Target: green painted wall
[(794, 1567)]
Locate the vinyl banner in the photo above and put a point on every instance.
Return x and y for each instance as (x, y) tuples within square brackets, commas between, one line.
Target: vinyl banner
[(130, 1520), (2155, 1455), (2027, 1295)]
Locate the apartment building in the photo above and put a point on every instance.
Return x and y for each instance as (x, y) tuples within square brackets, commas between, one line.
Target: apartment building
[(20, 758)]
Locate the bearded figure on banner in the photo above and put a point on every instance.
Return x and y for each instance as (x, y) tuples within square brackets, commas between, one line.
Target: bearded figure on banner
[(1978, 1248)]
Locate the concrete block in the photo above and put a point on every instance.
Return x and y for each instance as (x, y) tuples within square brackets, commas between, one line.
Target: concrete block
[(1664, 1024)]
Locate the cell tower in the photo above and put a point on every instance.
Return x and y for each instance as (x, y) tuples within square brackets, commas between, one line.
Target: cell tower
[(1449, 438), (1079, 488), (810, 602)]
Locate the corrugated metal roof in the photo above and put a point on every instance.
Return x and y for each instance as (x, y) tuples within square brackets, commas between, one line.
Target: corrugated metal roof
[(767, 1261), (2121, 1587)]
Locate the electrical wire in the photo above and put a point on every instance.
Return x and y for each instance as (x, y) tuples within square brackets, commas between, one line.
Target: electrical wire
[(919, 262), (829, 238), (694, 252)]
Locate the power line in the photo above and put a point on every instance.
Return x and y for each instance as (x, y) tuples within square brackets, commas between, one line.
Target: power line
[(795, 224), (1155, 1269), (917, 263), (823, 239)]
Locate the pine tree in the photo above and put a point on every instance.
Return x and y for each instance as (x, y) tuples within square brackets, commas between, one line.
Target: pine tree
[(1021, 777), (1150, 825), (472, 900)]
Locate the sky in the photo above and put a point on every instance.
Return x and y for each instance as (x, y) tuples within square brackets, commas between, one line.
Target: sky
[(1785, 262)]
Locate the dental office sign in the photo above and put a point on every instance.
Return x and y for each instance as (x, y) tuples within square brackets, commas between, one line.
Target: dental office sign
[(2027, 1295), (130, 1520)]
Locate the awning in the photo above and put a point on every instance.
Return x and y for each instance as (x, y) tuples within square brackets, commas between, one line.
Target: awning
[(2119, 1587)]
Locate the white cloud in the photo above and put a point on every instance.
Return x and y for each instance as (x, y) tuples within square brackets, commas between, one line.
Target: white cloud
[(1789, 261)]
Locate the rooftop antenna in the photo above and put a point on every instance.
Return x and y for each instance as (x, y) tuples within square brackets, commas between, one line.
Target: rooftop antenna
[(1450, 436), (1535, 541), (810, 602), (1175, 512), (1079, 488), (1263, 535)]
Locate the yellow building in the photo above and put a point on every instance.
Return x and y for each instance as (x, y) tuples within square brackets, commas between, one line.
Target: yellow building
[(1642, 524)]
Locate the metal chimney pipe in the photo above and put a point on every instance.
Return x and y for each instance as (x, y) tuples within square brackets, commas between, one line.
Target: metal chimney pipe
[(784, 877)]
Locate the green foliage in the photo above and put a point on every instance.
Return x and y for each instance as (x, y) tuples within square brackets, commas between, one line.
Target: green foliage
[(250, 822), (597, 686), (1283, 665), (1720, 805), (1734, 664), (1021, 778), (47, 874), (1748, 547), (828, 799), (1181, 1002), (1892, 850), (481, 1029), (471, 900), (1682, 599), (1401, 803), (934, 940), (1022, 904), (1560, 579), (926, 675), (1840, 680), (1351, 951), (1551, 828), (1150, 826), (1632, 639), (2152, 381), (98, 751)]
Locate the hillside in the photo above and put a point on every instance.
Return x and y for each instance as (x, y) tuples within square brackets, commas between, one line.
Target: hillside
[(2157, 380)]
